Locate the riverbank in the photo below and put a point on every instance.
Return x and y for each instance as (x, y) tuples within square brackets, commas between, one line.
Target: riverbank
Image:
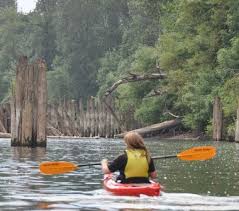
[(169, 136), (5, 135)]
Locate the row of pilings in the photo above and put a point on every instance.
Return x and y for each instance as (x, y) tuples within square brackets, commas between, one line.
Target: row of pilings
[(73, 118), (94, 119), (32, 119), (5, 118)]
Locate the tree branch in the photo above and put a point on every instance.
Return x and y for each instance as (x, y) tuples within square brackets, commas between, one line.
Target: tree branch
[(171, 114), (134, 78)]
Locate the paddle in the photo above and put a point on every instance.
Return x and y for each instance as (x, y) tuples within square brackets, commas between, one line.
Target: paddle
[(195, 153)]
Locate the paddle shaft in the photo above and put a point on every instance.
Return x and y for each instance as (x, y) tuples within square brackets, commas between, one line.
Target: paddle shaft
[(154, 158), (89, 164), (162, 157), (195, 153)]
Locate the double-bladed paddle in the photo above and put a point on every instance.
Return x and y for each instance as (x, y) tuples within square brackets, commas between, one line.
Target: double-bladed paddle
[(195, 153)]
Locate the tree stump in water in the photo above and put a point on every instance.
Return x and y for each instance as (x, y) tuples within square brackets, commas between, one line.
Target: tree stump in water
[(29, 104), (217, 119)]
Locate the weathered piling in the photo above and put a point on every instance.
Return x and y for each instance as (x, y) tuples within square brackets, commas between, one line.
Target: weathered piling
[(5, 118), (217, 119), (71, 119), (81, 121), (29, 104)]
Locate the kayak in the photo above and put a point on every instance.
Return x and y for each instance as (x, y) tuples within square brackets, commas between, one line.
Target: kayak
[(149, 189)]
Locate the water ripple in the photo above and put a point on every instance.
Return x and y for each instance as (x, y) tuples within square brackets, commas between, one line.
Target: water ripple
[(210, 185)]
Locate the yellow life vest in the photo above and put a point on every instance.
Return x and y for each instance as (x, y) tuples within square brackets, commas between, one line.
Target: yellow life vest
[(137, 164)]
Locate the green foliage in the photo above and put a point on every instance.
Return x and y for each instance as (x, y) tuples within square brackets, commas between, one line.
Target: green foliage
[(106, 73), (7, 3), (58, 85), (59, 82), (132, 95), (12, 26), (85, 31), (151, 110), (189, 50), (229, 95), (229, 57), (90, 45), (144, 60)]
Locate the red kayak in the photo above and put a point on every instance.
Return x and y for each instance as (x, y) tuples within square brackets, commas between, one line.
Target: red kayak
[(150, 189)]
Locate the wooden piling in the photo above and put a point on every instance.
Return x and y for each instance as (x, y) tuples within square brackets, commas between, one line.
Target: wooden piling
[(29, 104), (69, 118)]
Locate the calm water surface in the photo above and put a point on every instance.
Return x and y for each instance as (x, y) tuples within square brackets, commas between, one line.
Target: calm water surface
[(195, 185)]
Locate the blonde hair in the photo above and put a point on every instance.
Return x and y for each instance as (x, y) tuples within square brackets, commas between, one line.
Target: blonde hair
[(134, 140)]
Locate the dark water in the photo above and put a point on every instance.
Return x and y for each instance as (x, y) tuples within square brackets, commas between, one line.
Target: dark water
[(195, 185)]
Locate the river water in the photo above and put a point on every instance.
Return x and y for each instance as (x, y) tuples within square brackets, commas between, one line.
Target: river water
[(189, 185)]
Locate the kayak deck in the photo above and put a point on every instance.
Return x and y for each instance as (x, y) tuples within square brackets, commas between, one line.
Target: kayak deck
[(149, 189)]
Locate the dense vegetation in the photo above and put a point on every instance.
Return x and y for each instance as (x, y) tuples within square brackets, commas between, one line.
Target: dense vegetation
[(89, 45)]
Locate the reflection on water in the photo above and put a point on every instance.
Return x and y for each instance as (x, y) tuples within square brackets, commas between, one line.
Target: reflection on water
[(197, 185), (26, 153)]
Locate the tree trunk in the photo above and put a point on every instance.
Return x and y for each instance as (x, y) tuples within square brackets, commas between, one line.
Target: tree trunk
[(237, 125), (217, 119), (154, 129), (29, 105)]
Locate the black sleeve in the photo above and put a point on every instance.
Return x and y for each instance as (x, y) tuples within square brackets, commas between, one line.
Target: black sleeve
[(151, 166), (118, 163)]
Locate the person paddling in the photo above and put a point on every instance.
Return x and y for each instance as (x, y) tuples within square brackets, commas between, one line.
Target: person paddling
[(135, 165)]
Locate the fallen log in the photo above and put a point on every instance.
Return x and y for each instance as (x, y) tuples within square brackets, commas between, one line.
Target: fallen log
[(154, 129)]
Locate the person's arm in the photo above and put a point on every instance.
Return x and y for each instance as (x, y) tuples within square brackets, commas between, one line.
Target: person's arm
[(113, 166), (104, 166), (153, 175), (152, 171)]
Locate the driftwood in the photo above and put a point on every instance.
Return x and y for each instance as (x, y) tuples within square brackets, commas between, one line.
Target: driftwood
[(154, 129), (217, 119), (29, 104)]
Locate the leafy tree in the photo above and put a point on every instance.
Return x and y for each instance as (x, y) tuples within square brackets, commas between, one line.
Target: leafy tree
[(42, 31), (12, 26), (8, 3), (189, 51), (85, 31)]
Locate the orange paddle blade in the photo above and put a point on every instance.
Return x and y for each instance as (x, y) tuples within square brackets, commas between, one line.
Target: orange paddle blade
[(198, 153), (58, 167)]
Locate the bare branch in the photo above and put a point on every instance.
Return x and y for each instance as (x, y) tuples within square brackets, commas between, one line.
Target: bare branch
[(171, 114), (134, 78)]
